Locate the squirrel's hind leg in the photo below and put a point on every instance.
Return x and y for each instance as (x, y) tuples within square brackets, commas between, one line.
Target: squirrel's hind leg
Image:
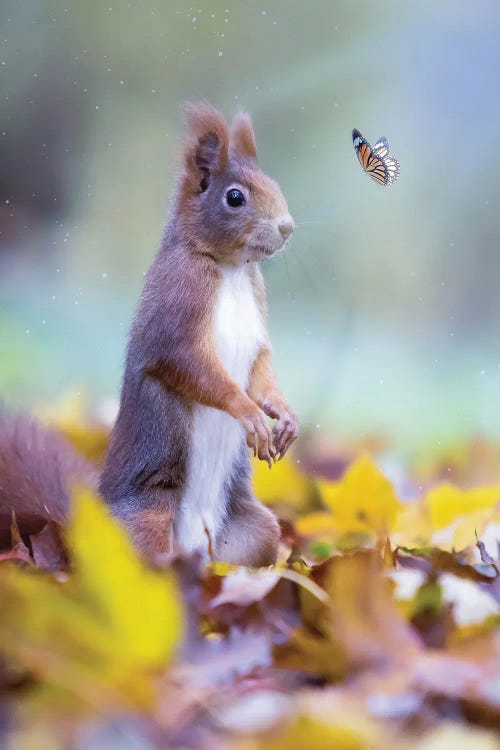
[(251, 534), (150, 527)]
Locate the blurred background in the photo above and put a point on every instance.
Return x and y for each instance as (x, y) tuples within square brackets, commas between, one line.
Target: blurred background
[(384, 313)]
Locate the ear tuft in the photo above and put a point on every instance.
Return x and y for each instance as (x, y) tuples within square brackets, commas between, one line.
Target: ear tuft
[(242, 136), (207, 145)]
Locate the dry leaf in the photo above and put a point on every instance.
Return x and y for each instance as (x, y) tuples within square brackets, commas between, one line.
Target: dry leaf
[(48, 549), (99, 636), (363, 501)]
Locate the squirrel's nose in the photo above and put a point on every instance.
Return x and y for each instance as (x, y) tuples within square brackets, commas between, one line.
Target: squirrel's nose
[(286, 227)]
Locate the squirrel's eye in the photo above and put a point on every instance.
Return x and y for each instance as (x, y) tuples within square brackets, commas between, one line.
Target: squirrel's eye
[(235, 198)]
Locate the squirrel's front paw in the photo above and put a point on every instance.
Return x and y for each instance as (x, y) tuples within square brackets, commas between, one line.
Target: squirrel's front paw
[(286, 429), (259, 435)]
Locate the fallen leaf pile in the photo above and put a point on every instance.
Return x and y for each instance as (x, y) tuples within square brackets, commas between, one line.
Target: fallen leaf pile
[(378, 629)]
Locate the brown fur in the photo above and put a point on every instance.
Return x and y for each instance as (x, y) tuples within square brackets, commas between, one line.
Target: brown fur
[(216, 156), (37, 470), (251, 537), (242, 136), (151, 530)]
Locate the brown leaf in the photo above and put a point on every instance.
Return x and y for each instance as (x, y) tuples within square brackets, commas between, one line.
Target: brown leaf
[(244, 587), (447, 562), (220, 661), (16, 540), (245, 598), (312, 654), (360, 627), (48, 549), (365, 618), (19, 550)]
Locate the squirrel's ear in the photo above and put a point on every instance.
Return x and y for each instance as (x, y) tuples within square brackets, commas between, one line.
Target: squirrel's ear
[(207, 149), (242, 136)]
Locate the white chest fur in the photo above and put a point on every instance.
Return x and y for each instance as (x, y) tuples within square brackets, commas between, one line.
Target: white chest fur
[(216, 440)]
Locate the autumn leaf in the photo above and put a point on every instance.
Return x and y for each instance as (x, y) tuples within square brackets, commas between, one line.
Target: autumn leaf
[(448, 517), (48, 548), (284, 484), (243, 587), (359, 626), (363, 502), (446, 503), (364, 614), (440, 560), (466, 511), (314, 734), (103, 633), (93, 643), (413, 525), (110, 573), (19, 548), (318, 524)]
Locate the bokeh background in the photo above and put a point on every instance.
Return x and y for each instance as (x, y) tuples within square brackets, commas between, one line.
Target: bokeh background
[(385, 312)]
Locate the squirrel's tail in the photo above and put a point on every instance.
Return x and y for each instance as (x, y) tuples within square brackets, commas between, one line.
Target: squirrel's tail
[(37, 470)]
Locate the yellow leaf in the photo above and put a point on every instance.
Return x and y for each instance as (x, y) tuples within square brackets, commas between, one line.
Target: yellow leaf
[(101, 635), (316, 735), (363, 501), (447, 502), (469, 527), (320, 523), (219, 568), (413, 526), (282, 484), (89, 440), (141, 607)]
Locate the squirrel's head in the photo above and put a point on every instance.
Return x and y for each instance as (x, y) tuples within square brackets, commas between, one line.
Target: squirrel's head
[(227, 205)]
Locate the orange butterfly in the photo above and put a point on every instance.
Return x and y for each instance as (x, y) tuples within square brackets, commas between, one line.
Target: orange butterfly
[(376, 161)]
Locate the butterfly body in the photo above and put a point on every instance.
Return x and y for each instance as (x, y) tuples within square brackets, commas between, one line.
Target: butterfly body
[(376, 161)]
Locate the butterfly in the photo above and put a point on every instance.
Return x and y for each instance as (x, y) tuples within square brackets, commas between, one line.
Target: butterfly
[(376, 161)]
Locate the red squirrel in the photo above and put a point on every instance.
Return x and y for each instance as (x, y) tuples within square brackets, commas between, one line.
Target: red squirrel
[(199, 384)]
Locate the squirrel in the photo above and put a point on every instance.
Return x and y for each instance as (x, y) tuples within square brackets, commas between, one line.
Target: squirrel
[(199, 384)]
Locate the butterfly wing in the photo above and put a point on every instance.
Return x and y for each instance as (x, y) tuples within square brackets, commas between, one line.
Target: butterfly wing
[(376, 162), (377, 170), (381, 148), (392, 167), (362, 148), (372, 164)]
